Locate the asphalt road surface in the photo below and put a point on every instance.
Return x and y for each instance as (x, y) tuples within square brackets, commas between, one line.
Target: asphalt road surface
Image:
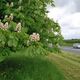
[(71, 49)]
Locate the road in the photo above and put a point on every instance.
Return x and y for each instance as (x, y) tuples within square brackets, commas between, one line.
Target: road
[(71, 49)]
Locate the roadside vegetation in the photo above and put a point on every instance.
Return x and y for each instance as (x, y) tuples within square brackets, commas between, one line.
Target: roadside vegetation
[(68, 63), (27, 36), (26, 67), (70, 42), (60, 66)]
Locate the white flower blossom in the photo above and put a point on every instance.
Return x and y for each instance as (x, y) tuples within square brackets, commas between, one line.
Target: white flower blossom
[(47, 40), (55, 33), (12, 4), (38, 37), (6, 26), (6, 16), (11, 16), (18, 27), (1, 25), (35, 37)]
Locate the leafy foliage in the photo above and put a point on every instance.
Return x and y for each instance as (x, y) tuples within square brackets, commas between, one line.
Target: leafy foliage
[(13, 40), (32, 14)]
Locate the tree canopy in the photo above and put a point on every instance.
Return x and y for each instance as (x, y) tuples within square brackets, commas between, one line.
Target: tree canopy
[(25, 18)]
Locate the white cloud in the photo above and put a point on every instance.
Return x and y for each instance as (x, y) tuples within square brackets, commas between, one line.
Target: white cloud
[(68, 19), (71, 21)]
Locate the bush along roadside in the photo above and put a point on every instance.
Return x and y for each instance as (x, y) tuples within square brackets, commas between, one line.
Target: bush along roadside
[(23, 23)]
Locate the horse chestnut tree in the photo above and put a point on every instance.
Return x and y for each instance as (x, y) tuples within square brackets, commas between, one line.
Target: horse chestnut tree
[(20, 19)]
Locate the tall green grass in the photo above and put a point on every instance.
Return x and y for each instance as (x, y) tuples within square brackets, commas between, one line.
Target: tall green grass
[(29, 68)]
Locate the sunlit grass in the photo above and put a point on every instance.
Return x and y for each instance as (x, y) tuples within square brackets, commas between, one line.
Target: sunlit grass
[(68, 63)]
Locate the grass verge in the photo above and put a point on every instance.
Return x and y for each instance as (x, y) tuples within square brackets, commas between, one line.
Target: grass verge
[(29, 68), (69, 64)]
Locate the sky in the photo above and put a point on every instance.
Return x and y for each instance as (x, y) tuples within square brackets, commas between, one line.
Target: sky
[(67, 14)]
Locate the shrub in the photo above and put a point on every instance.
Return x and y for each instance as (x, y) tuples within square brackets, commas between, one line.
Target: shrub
[(20, 19)]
